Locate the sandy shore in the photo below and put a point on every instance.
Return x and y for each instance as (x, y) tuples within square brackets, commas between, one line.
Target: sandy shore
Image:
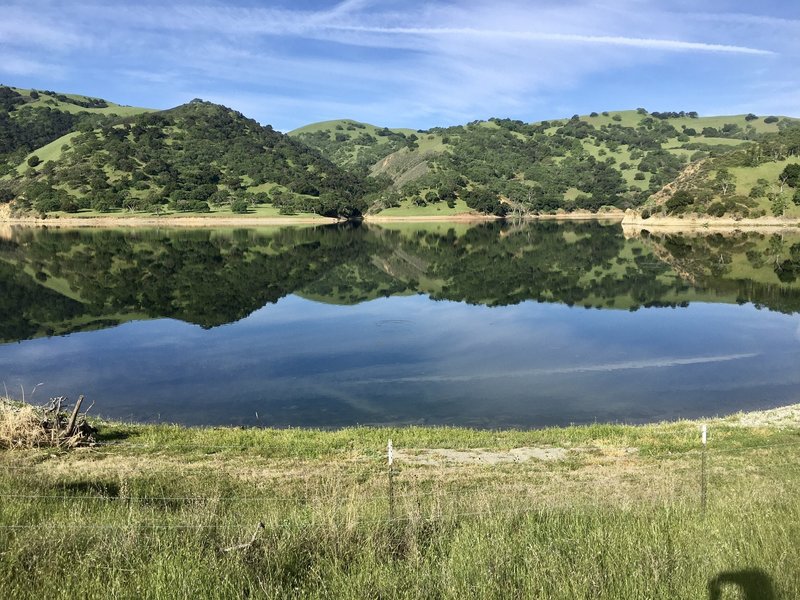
[(634, 221), (458, 218), (578, 215), (630, 220), (193, 221), (119, 221)]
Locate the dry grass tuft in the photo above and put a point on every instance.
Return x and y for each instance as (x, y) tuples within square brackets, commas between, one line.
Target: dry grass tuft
[(20, 425), (23, 425)]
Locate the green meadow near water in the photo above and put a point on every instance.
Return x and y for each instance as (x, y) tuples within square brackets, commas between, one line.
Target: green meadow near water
[(598, 511)]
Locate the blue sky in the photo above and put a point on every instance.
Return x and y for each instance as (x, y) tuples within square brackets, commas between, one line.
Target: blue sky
[(410, 63)]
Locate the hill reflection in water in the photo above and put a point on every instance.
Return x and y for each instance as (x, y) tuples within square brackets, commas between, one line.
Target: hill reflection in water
[(441, 324)]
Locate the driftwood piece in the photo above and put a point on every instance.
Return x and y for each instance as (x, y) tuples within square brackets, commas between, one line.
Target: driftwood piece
[(73, 417)]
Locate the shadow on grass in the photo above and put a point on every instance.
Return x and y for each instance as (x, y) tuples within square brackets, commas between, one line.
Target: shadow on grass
[(90, 488), (113, 491), (754, 584), (115, 435)]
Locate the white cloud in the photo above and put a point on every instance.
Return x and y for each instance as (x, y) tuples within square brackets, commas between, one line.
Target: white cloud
[(408, 63), (12, 64), (746, 19), (22, 28), (565, 38)]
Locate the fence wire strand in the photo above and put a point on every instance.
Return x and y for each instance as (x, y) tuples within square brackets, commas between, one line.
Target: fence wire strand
[(367, 498)]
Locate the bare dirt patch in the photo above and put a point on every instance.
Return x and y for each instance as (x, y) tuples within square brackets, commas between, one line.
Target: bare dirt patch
[(633, 223), (483, 456), (169, 221)]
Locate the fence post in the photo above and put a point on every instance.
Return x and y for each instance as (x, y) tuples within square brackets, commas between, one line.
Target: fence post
[(703, 475), (390, 459)]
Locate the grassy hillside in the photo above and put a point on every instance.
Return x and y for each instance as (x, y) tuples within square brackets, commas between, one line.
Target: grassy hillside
[(31, 119), (759, 179), (68, 153), (76, 103), (188, 158), (353, 144), (47, 153), (615, 158), (599, 511)]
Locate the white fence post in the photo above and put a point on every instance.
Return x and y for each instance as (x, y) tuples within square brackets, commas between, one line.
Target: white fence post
[(703, 474), (390, 460)]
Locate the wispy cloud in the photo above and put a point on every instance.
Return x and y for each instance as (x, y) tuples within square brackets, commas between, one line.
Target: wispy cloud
[(404, 63), (18, 27), (656, 363), (563, 38), (12, 64), (746, 19)]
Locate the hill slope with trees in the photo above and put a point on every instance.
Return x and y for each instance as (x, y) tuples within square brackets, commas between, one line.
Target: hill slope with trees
[(185, 159), (62, 153), (753, 180), (503, 166), (30, 119)]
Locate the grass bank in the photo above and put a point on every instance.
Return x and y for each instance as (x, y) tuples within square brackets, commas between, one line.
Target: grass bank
[(600, 511)]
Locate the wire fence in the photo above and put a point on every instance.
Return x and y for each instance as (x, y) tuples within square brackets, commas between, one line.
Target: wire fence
[(380, 488)]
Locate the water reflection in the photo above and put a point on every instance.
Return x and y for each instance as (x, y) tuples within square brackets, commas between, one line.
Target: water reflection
[(460, 325), (57, 282)]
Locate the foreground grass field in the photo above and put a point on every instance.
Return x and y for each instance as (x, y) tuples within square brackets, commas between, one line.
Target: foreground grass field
[(602, 511)]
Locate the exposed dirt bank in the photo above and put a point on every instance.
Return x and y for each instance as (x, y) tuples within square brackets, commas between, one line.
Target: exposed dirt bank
[(634, 221), (116, 221), (169, 221), (630, 220)]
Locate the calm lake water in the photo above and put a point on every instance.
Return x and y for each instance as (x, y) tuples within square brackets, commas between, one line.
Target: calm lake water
[(487, 326)]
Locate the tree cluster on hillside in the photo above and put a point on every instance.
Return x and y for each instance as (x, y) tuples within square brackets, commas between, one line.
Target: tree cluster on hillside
[(351, 145), (534, 165), (713, 188), (506, 164), (189, 158), (24, 128), (199, 156), (86, 102)]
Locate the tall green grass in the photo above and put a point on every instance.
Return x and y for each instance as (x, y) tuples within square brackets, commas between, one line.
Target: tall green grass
[(153, 515)]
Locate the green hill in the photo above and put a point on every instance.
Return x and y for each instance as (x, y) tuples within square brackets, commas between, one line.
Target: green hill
[(352, 144), (30, 119), (71, 153), (614, 159), (753, 180), (186, 159), (76, 103)]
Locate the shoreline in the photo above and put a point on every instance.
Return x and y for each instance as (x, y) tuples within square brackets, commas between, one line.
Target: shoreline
[(782, 416), (634, 220), (192, 221), (628, 219)]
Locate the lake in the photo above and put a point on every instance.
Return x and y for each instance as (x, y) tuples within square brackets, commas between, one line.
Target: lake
[(492, 326)]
